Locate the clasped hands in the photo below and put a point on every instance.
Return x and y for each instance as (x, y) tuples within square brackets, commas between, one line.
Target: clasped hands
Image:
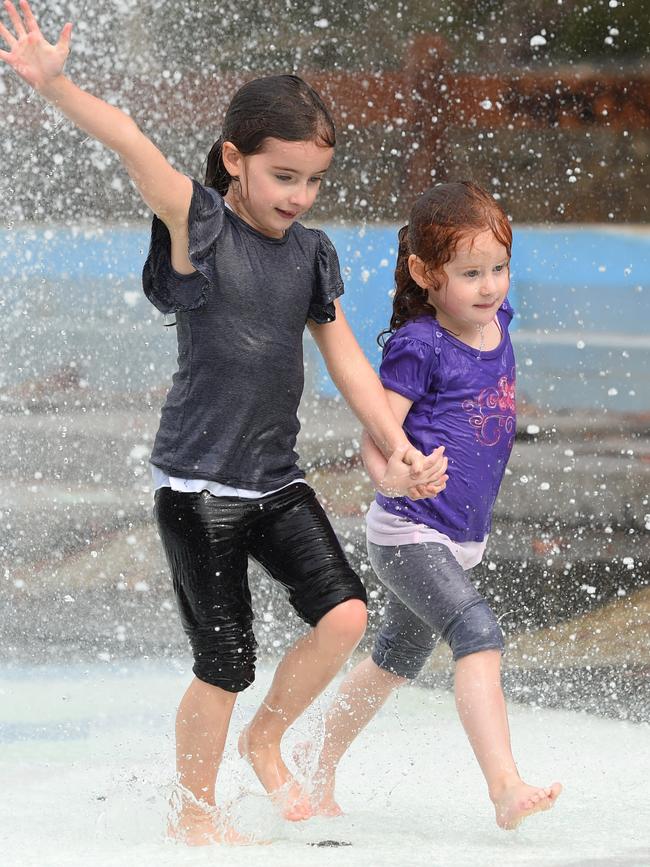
[(411, 474)]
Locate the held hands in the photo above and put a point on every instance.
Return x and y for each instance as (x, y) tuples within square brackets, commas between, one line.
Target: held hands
[(30, 55), (411, 474)]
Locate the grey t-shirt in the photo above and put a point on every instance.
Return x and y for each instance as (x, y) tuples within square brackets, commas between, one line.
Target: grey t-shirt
[(231, 413)]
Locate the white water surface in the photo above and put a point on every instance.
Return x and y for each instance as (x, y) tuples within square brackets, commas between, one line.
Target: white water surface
[(87, 756)]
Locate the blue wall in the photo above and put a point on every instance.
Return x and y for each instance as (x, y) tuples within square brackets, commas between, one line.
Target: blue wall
[(582, 296)]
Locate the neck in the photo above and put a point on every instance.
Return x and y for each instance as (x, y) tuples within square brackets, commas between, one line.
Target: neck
[(481, 337), (238, 205)]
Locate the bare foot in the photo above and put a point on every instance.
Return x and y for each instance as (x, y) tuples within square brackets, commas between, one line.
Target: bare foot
[(275, 777), (322, 800), (318, 786), (199, 824), (516, 801)]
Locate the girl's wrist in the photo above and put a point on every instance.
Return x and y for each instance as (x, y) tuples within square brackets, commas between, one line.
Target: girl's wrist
[(389, 489), (52, 88)]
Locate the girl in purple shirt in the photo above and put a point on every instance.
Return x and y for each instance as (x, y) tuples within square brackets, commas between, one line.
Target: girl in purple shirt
[(449, 371)]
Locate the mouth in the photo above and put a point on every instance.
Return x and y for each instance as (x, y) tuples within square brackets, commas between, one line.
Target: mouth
[(287, 215), (487, 306)]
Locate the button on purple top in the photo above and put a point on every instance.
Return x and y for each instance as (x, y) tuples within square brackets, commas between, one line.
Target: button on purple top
[(464, 400)]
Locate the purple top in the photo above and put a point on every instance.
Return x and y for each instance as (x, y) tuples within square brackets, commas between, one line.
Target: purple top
[(464, 400)]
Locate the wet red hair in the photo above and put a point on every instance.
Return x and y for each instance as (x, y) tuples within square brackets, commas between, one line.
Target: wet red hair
[(439, 219)]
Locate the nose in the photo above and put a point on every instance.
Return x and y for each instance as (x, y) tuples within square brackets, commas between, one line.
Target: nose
[(300, 196), (486, 287), (489, 284)]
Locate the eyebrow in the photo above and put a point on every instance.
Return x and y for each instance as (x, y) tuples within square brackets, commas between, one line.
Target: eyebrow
[(296, 171), (472, 264)]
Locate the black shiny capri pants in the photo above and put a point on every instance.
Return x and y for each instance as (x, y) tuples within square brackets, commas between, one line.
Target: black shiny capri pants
[(208, 540)]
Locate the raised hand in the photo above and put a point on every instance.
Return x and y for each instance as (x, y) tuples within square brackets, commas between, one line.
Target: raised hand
[(30, 55)]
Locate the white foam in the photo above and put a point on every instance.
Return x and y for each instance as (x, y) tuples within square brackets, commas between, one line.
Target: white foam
[(87, 756)]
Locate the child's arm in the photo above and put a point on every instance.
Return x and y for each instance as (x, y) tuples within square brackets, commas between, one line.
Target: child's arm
[(360, 386), (391, 477), (166, 191)]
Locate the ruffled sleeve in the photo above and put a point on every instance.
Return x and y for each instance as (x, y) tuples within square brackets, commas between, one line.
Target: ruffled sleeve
[(328, 285), (408, 366), (168, 290)]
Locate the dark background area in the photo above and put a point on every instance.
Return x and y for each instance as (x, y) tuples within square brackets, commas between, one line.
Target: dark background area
[(566, 136)]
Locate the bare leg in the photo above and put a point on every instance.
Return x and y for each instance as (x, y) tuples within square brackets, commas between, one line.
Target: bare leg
[(302, 675), (201, 727), (482, 710), (362, 693)]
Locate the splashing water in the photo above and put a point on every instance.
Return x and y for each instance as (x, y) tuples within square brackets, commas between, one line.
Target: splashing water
[(87, 768)]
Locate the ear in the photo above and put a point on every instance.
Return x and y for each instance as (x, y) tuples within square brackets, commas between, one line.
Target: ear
[(232, 159), (418, 272)]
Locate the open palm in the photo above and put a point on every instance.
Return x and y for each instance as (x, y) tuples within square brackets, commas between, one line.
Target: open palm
[(30, 55)]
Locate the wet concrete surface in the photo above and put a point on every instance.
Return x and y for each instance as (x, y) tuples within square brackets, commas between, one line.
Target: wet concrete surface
[(567, 567)]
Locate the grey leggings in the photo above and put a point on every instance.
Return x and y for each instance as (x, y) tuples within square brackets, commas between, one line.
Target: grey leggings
[(429, 596)]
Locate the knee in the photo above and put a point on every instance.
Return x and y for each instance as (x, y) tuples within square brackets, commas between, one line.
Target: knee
[(483, 666), (475, 630), (487, 659), (345, 624)]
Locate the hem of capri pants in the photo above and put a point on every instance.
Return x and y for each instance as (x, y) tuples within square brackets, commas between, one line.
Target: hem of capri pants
[(344, 597)]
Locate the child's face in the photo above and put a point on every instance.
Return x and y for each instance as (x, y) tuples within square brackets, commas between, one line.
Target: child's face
[(477, 281), (279, 184)]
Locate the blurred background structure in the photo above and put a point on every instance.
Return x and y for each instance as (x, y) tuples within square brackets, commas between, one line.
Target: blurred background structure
[(547, 105)]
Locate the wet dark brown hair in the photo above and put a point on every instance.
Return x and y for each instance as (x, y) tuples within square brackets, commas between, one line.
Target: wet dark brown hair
[(278, 106), (439, 219)]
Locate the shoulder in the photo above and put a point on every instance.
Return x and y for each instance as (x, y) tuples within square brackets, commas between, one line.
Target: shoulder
[(421, 330), (410, 362), (205, 200), (327, 283), (315, 240), (506, 310), (414, 343)]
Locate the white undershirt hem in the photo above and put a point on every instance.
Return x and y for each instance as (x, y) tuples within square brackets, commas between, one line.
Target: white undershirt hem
[(384, 528), (195, 486)]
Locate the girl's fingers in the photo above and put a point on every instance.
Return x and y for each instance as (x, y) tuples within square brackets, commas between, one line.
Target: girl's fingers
[(65, 37), (16, 20), (7, 35), (30, 20), (4, 55), (430, 489), (415, 460), (430, 474), (435, 459)]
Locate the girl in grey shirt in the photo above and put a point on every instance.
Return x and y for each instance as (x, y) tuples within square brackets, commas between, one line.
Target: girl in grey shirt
[(243, 278)]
